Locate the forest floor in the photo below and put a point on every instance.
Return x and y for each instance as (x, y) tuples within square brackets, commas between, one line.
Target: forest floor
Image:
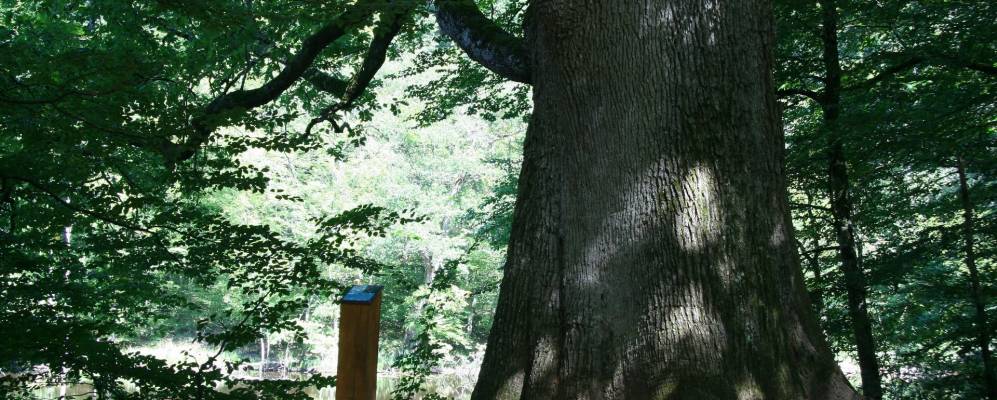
[(455, 382)]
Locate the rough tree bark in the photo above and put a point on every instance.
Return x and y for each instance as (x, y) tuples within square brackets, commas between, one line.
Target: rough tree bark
[(841, 207), (979, 305), (652, 254)]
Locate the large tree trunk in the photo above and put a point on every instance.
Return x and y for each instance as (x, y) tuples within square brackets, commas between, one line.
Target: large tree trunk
[(976, 292), (652, 253), (841, 208)]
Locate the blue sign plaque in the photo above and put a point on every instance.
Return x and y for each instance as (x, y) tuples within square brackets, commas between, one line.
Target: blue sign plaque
[(361, 294)]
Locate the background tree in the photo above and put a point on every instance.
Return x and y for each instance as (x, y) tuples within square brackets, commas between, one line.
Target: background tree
[(884, 50)]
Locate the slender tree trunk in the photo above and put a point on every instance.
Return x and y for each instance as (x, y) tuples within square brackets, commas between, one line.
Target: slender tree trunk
[(67, 239), (428, 275), (855, 285), (816, 294), (7, 194), (263, 354), (982, 327), (470, 316), (813, 262), (287, 359), (841, 208), (652, 254), (429, 267)]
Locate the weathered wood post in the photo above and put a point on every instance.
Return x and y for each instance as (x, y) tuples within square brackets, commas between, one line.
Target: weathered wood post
[(359, 327)]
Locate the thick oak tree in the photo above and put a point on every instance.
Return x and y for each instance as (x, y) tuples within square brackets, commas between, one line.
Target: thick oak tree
[(651, 253)]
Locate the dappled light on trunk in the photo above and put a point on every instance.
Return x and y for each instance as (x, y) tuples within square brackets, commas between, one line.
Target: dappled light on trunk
[(649, 254)]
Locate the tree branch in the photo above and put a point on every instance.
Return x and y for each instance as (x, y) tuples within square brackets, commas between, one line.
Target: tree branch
[(811, 206), (73, 207), (240, 100), (388, 27), (913, 61), (483, 40), (988, 69), (325, 82), (888, 73), (817, 250), (813, 95)]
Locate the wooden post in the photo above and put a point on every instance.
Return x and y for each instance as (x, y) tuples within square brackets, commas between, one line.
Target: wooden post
[(359, 327)]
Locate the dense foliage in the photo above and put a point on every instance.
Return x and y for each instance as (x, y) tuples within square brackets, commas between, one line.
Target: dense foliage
[(914, 112), (163, 178)]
